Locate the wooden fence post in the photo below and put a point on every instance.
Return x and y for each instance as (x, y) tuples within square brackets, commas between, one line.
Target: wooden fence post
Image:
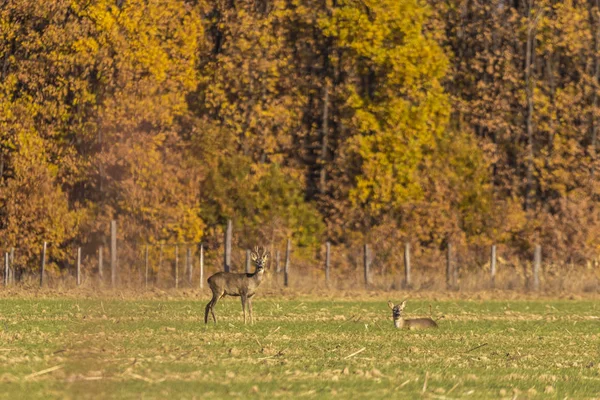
[(113, 253), (449, 266), (366, 264), (286, 270), (537, 262), (493, 267), (100, 262), (78, 266), (176, 266), (455, 267), (227, 255), (277, 263), (190, 265), (146, 265), (327, 261), (6, 267), (160, 259), (43, 264), (247, 261), (201, 266), (407, 277), (12, 266)]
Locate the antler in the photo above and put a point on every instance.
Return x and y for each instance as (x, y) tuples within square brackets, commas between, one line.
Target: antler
[(259, 252)]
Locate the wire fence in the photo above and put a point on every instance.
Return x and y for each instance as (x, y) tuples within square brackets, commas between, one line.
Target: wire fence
[(187, 265)]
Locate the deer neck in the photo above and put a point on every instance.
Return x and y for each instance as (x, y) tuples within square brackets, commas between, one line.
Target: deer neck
[(258, 276), (399, 323)]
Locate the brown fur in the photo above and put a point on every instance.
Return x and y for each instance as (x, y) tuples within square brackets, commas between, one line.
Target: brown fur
[(401, 323), (234, 284)]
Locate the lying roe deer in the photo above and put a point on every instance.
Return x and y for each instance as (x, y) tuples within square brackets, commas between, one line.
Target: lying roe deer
[(232, 284), (401, 323)]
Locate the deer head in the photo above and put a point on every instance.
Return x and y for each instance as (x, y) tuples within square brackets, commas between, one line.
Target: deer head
[(397, 309), (259, 257)]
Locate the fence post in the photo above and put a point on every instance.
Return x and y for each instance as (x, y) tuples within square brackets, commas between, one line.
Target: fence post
[(190, 265), (455, 267), (78, 266), (537, 261), (366, 264), (227, 258), (286, 270), (277, 263), (6, 267), (43, 265), (13, 269), (449, 266), (407, 277), (247, 261), (100, 262), (327, 260), (113, 253), (176, 266), (160, 258), (493, 267), (201, 266), (146, 265)]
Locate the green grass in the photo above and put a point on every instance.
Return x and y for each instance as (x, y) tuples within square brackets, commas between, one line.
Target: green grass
[(162, 349)]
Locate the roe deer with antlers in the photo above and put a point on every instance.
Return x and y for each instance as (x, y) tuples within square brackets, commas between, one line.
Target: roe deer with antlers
[(232, 284)]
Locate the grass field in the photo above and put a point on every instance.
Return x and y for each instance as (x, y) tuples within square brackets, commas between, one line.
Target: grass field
[(302, 347)]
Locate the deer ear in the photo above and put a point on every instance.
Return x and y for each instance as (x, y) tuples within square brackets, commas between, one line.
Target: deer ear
[(253, 256), (390, 305), (402, 305)]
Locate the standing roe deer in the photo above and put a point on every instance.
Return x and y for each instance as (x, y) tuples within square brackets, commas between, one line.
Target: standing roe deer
[(232, 284), (400, 322)]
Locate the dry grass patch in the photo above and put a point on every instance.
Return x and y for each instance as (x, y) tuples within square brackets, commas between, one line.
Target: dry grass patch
[(113, 347)]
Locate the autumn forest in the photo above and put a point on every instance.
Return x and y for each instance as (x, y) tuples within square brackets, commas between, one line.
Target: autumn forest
[(469, 121)]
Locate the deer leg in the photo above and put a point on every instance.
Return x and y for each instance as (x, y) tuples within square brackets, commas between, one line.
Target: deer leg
[(206, 310), (250, 310), (210, 307), (244, 307)]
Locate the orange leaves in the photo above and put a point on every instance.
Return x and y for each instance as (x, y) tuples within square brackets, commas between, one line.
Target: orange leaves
[(172, 116)]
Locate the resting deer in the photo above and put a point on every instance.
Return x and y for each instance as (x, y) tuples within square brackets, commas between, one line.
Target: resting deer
[(232, 284), (401, 323)]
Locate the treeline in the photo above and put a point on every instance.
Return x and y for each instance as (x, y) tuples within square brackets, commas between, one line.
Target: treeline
[(473, 121)]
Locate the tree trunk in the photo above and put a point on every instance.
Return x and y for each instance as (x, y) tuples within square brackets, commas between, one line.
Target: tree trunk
[(593, 10), (529, 88), (324, 139)]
